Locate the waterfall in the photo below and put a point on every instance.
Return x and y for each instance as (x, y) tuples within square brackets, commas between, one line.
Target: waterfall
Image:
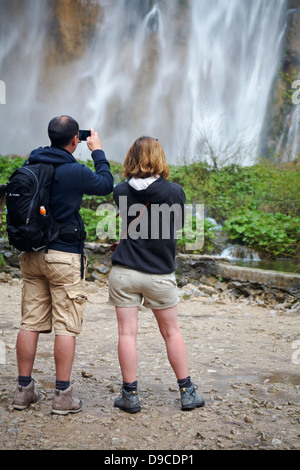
[(196, 74)]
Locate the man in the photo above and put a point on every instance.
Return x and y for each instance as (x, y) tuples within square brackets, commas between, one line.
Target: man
[(54, 292)]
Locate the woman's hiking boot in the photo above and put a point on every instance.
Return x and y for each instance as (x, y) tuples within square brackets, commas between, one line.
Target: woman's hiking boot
[(190, 399), (129, 401)]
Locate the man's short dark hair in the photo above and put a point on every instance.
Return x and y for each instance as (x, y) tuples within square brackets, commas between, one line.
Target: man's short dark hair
[(61, 130)]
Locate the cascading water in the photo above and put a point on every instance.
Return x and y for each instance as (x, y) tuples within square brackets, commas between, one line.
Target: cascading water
[(195, 74)]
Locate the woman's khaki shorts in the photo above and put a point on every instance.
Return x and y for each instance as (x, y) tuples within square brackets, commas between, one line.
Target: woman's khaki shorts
[(128, 288), (53, 293)]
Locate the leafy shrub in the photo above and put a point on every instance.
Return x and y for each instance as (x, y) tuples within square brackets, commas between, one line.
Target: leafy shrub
[(258, 205), (189, 234), (2, 262), (272, 234), (92, 218), (8, 165)]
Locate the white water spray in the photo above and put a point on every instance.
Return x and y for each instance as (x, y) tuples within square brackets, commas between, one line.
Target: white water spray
[(195, 74)]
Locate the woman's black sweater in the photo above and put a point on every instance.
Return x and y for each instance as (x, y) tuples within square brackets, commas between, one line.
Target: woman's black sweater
[(150, 245)]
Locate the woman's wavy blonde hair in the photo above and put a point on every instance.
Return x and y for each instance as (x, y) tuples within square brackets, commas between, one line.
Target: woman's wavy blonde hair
[(146, 158)]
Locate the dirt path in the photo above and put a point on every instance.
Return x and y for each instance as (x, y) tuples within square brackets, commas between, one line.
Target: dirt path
[(242, 357)]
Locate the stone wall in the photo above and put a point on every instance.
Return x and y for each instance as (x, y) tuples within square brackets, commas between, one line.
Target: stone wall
[(197, 275), (212, 275)]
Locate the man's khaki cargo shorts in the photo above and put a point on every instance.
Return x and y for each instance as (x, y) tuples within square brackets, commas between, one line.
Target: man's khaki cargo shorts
[(53, 295)]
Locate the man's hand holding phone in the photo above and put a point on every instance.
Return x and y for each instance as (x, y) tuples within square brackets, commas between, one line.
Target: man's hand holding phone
[(93, 141)]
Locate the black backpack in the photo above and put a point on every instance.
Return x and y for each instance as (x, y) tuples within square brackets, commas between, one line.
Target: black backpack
[(30, 226)]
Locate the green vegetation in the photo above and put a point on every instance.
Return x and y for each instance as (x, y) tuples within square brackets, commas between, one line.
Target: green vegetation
[(2, 261), (8, 165), (273, 234), (258, 206)]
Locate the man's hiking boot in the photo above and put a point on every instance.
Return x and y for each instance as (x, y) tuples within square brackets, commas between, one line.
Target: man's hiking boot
[(129, 401), (24, 396), (190, 399), (64, 403)]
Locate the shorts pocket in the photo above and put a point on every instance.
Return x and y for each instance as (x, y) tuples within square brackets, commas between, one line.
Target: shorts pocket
[(76, 306), (163, 281), (118, 278), (60, 267)]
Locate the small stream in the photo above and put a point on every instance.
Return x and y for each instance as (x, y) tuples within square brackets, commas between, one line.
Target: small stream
[(282, 265), (245, 257)]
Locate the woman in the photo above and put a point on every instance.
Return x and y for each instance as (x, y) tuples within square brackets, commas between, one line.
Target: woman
[(143, 266)]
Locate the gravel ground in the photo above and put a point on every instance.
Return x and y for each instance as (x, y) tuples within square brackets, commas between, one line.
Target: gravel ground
[(244, 358)]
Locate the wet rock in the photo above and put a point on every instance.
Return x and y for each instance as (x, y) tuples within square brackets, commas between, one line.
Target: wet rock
[(86, 374), (207, 289), (276, 442), (4, 277), (201, 276)]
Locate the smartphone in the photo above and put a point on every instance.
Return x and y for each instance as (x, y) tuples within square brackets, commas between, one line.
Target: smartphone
[(83, 135)]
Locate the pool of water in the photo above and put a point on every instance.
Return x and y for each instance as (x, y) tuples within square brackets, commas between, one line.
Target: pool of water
[(286, 266)]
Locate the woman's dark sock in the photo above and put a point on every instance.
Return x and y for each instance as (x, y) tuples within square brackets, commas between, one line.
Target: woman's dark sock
[(130, 386), (185, 383)]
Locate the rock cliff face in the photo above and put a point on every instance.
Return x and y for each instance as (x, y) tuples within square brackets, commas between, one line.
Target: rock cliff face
[(71, 25), (196, 76), (281, 132)]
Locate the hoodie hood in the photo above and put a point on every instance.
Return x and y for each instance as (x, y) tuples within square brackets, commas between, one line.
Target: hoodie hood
[(156, 191), (142, 183), (52, 155)]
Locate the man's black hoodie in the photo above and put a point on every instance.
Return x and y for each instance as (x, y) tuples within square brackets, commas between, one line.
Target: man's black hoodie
[(154, 251), (72, 181)]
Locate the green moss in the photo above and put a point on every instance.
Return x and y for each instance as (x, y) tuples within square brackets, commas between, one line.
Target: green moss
[(258, 205)]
